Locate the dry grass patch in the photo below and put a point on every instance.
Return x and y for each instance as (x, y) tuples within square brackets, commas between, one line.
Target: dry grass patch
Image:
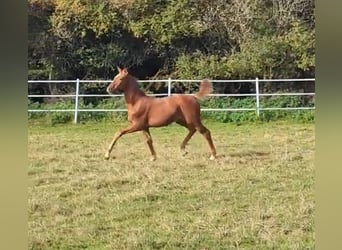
[(257, 195)]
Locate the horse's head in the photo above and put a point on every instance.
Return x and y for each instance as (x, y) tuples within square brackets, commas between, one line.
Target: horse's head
[(119, 81)]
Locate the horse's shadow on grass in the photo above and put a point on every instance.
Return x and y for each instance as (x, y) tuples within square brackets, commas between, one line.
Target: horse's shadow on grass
[(225, 156), (233, 158), (249, 153), (244, 154)]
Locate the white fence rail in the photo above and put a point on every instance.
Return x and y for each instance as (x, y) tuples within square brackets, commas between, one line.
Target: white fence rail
[(169, 82)]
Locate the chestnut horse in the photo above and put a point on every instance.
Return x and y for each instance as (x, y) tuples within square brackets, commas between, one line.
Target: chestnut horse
[(146, 111)]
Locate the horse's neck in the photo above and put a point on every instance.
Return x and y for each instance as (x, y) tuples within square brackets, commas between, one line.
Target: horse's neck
[(133, 93)]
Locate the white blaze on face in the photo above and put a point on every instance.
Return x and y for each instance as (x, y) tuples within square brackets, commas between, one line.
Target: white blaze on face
[(112, 82)]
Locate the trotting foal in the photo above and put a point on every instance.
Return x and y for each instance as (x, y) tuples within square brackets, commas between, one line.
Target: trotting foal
[(145, 111)]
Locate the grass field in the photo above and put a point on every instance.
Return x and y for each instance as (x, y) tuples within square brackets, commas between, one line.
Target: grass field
[(258, 194)]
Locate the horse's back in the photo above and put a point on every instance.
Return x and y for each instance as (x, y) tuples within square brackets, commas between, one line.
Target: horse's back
[(163, 111)]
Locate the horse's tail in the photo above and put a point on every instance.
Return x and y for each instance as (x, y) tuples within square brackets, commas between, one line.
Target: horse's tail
[(205, 89)]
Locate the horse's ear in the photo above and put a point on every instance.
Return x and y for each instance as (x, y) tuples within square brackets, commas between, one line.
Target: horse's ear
[(119, 69), (125, 70)]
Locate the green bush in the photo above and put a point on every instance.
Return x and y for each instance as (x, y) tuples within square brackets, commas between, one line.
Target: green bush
[(60, 117), (286, 102), (236, 117), (229, 116), (34, 115), (68, 116)]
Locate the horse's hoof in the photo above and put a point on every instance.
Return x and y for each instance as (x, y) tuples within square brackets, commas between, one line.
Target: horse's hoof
[(106, 157), (153, 158), (212, 158), (184, 153)]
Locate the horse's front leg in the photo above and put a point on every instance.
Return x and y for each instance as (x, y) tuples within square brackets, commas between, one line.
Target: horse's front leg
[(149, 141), (130, 129)]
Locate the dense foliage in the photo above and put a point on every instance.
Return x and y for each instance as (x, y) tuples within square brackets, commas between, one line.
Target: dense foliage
[(71, 39), (236, 117)]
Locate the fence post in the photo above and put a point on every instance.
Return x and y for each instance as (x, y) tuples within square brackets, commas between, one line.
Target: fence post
[(169, 87), (257, 96), (76, 100)]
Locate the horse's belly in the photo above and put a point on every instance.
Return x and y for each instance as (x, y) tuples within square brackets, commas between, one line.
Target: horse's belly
[(162, 114)]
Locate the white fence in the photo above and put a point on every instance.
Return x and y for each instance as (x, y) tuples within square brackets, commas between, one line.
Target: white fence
[(169, 82)]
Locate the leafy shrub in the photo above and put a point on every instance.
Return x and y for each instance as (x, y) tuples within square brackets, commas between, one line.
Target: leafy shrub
[(34, 105), (60, 117), (236, 117), (68, 116)]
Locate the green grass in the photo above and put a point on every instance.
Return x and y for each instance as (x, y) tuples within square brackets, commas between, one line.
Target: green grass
[(258, 194)]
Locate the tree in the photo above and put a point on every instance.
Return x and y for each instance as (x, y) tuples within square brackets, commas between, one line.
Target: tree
[(216, 38)]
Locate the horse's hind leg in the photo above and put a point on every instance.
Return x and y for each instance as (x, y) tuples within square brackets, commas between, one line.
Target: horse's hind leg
[(191, 132), (186, 140), (149, 142), (207, 135)]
